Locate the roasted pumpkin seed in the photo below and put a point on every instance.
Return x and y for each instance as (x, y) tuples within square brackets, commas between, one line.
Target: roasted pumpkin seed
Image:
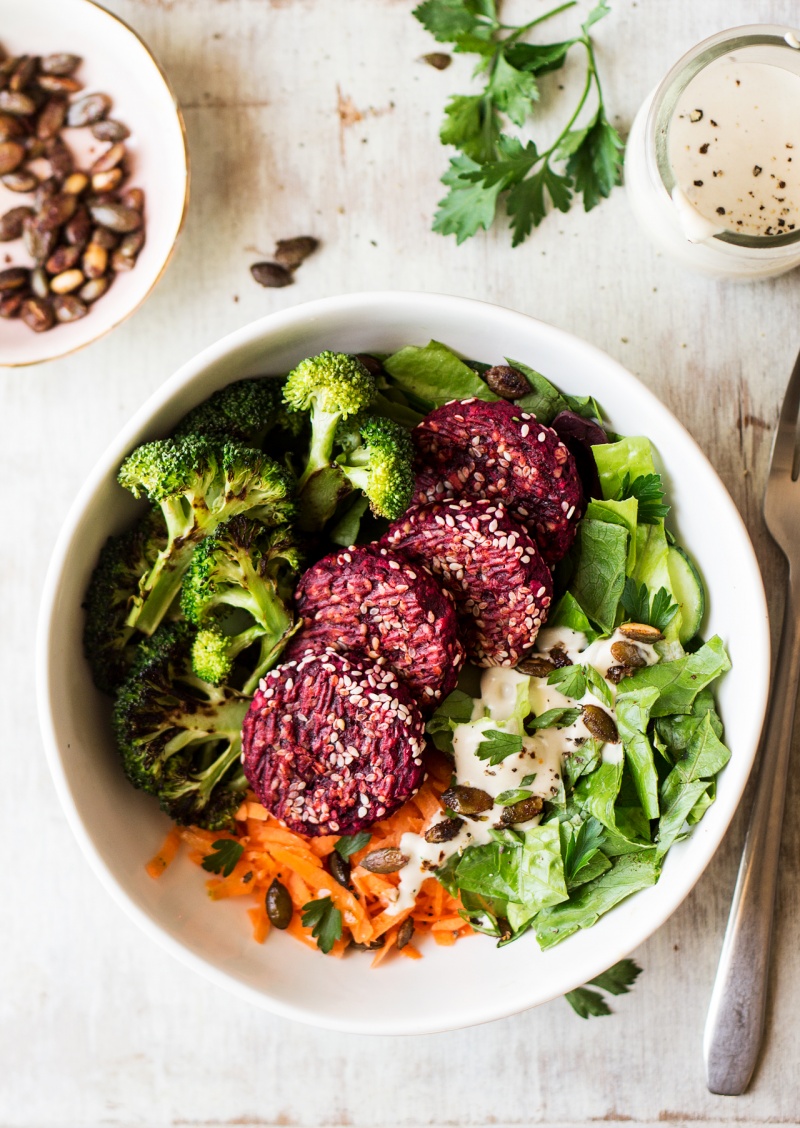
[(340, 868), (628, 654), (37, 313), (88, 110), (387, 860), (278, 904), (271, 274), (405, 934), (290, 253), (521, 812), (11, 156), (507, 382), (20, 181), (116, 217), (110, 130), (467, 800), (69, 308), (641, 632), (14, 278), (536, 666), (600, 724), (443, 831), (61, 64), (11, 223)]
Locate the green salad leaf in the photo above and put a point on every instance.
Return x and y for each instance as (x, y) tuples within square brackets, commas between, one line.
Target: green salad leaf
[(496, 746), (560, 717), (434, 375), (325, 922), (224, 856), (599, 576)]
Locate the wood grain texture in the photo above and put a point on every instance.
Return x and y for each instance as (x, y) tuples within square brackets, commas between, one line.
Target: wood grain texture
[(97, 1025)]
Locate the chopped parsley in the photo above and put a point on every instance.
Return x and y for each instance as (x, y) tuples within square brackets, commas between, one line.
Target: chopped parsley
[(225, 854), (325, 922)]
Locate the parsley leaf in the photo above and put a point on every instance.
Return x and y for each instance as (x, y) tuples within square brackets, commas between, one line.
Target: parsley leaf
[(560, 717), (496, 746), (598, 685), (226, 853), (581, 846), (325, 922), (509, 798), (635, 599), (350, 844), (491, 163), (649, 492), (570, 680), (527, 780), (617, 981)]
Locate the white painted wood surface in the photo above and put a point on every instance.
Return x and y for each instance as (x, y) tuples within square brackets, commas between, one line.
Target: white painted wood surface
[(97, 1025)]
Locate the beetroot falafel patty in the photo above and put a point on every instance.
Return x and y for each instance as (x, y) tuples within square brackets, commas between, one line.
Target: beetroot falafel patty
[(367, 603), (471, 448), (500, 583), (329, 745)]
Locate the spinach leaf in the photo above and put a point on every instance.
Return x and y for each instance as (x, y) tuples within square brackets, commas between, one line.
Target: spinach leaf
[(599, 576), (434, 375)]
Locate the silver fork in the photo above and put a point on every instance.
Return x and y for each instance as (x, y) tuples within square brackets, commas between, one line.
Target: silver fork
[(736, 1017)]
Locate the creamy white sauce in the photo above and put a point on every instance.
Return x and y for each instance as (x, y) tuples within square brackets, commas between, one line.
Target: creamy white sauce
[(734, 148), (541, 756)]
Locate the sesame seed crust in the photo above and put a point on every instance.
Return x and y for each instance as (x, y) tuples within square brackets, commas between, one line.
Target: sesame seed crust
[(500, 583), (496, 451), (330, 745), (370, 604)]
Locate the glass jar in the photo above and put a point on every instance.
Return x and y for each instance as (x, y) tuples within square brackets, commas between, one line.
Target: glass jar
[(693, 182)]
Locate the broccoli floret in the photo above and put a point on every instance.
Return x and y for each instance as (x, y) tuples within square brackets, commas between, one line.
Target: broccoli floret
[(377, 459), (198, 482), (246, 411), (332, 387), (124, 559), (178, 736), (243, 567)]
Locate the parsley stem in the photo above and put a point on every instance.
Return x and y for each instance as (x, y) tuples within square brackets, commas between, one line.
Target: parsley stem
[(518, 31)]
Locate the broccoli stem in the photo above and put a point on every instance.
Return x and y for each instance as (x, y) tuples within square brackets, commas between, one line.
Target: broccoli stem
[(323, 432), (155, 599)]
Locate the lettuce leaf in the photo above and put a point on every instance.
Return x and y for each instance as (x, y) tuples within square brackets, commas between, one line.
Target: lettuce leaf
[(434, 375), (599, 575), (633, 716), (618, 513), (632, 455), (679, 682)]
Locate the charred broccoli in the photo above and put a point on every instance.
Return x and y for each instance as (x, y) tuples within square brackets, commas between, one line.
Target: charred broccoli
[(246, 411), (178, 736), (242, 567), (198, 482), (124, 559)]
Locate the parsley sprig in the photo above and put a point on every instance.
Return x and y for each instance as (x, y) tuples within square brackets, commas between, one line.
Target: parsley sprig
[(618, 980), (584, 159), (649, 492), (636, 601), (225, 854), (325, 922)]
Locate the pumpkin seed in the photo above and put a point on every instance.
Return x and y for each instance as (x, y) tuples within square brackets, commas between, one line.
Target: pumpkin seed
[(641, 632), (507, 382), (40, 283), (11, 223), (10, 305), (51, 119), (116, 217), (69, 308), (57, 210), (59, 84), (107, 181), (88, 110), (340, 868), (67, 282), (536, 666), (94, 289), (20, 181), (405, 934), (95, 261), (60, 158), (521, 812), (444, 831), (387, 860), (628, 654), (14, 278), (63, 258), (110, 130), (11, 156), (600, 724), (278, 904), (109, 159), (37, 313), (23, 72), (11, 128), (133, 198), (79, 228), (467, 800), (60, 64), (290, 253), (39, 243), (12, 102), (616, 674), (271, 274), (75, 184)]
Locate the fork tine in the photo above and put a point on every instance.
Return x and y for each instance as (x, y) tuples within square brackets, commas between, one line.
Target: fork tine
[(783, 449)]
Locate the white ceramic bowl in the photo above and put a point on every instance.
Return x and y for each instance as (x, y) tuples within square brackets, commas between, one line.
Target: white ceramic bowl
[(115, 62), (119, 828)]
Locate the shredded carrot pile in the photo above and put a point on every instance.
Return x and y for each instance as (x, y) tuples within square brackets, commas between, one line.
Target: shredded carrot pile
[(271, 851)]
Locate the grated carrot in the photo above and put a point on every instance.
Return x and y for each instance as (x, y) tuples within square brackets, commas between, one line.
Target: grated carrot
[(169, 848)]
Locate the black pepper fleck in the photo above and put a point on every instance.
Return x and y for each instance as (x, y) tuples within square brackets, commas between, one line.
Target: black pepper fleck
[(698, 183), (704, 148), (720, 211), (714, 124)]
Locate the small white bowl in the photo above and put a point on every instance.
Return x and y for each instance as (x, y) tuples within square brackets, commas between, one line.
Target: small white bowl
[(115, 62), (119, 828)]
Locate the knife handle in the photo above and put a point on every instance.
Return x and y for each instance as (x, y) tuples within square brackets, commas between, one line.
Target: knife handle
[(735, 1024)]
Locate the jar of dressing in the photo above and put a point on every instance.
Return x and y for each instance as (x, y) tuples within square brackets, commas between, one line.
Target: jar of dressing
[(712, 166)]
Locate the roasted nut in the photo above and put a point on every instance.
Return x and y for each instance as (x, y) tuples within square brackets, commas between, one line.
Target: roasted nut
[(105, 238), (132, 244), (57, 210), (67, 282), (63, 258), (271, 274), (47, 188), (107, 181), (110, 130), (94, 289), (60, 158), (37, 313), (59, 84), (278, 904), (467, 800), (79, 228), (373, 946), (11, 128), (290, 253), (60, 64), (95, 261), (11, 304), (11, 223), (12, 102), (405, 934), (109, 159), (371, 363), (387, 860), (444, 831), (23, 72), (600, 724), (641, 632), (521, 812), (628, 654), (11, 156), (75, 184), (536, 666), (88, 110), (69, 308), (39, 242), (116, 217), (40, 283), (20, 181), (51, 118), (133, 198), (14, 278), (507, 382)]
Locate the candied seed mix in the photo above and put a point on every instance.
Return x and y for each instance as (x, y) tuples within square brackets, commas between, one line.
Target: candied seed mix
[(368, 603), (330, 746), (500, 583), (475, 449)]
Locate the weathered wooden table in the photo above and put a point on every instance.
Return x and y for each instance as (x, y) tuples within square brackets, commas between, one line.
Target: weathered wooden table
[(316, 116)]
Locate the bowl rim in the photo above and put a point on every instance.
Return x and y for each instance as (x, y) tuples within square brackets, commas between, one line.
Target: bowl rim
[(184, 205), (428, 306)]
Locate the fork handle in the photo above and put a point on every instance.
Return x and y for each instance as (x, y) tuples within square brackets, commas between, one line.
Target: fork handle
[(735, 1023)]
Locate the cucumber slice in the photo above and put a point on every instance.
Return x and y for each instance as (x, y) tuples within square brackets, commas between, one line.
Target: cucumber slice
[(688, 590)]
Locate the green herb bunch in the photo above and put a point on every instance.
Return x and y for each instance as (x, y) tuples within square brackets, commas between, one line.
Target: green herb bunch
[(584, 159)]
